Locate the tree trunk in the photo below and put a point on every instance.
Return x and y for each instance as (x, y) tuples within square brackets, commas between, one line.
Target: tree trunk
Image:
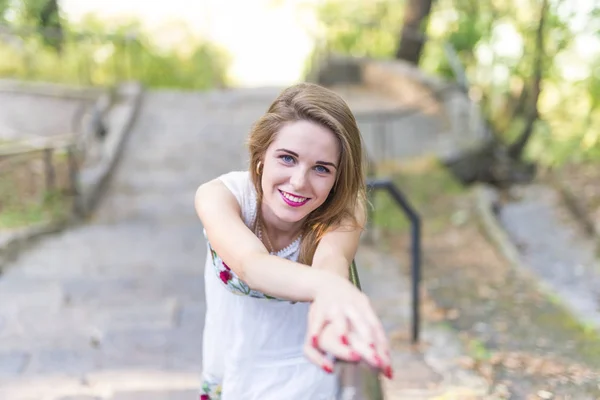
[(531, 113), (412, 37), (499, 164), (50, 18)]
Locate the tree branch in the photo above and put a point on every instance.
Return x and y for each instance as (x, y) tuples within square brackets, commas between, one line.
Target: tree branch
[(532, 114)]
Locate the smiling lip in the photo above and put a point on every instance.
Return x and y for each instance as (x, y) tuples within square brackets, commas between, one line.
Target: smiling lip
[(291, 202)]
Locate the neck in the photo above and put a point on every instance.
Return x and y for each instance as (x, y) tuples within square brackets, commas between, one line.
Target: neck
[(280, 233)]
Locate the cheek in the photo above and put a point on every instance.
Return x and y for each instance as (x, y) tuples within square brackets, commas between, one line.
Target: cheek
[(271, 178), (324, 187)]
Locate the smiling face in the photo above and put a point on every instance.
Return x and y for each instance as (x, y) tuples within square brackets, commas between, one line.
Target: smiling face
[(300, 168)]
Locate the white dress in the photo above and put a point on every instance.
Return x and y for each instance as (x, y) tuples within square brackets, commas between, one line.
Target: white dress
[(252, 343)]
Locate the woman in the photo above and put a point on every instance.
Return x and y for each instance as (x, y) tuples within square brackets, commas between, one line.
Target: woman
[(280, 237)]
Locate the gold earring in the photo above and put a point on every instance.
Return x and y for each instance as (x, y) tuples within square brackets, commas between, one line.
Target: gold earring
[(258, 168)]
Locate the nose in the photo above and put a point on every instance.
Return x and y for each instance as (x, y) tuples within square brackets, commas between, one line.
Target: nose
[(298, 178)]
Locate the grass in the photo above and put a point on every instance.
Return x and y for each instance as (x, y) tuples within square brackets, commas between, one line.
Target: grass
[(427, 186), (54, 206), (25, 199), (478, 350)]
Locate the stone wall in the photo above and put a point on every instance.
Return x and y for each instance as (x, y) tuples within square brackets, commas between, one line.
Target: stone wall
[(461, 127)]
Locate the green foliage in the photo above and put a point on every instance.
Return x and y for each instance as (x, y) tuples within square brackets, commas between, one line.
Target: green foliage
[(4, 5), (360, 28), (425, 179), (101, 54), (496, 43)]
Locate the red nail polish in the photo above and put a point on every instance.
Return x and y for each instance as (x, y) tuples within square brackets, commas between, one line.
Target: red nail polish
[(327, 369), (345, 341), (388, 372), (315, 341)]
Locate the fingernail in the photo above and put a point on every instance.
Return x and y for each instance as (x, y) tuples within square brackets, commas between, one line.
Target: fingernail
[(345, 341), (327, 369), (315, 341), (354, 356), (388, 372)]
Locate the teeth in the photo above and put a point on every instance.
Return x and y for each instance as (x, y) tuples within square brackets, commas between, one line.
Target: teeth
[(293, 198)]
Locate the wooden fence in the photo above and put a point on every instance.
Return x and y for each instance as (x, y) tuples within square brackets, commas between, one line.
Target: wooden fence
[(38, 178)]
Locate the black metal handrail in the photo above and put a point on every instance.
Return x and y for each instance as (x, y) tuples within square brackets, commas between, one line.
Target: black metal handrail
[(359, 381), (415, 221)]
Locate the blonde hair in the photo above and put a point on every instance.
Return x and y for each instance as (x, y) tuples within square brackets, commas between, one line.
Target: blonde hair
[(317, 104)]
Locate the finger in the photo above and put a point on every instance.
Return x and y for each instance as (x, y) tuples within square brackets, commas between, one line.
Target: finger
[(316, 322), (379, 349), (335, 341), (365, 350), (383, 350), (371, 327), (370, 340), (339, 325), (382, 345), (359, 323), (318, 358)]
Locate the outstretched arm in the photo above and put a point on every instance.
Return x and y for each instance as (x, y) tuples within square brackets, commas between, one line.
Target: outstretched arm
[(335, 252), (335, 300), (338, 246), (246, 255)]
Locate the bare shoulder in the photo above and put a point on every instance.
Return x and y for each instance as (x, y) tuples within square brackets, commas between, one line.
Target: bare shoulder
[(214, 197), (221, 215)]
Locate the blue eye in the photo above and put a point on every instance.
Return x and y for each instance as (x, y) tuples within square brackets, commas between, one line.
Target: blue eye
[(287, 159), (321, 169)]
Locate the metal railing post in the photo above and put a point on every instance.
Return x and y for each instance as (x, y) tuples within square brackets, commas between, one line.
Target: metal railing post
[(357, 381), (409, 211)]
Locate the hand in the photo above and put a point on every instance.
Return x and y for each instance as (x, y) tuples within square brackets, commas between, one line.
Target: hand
[(333, 347), (342, 317)]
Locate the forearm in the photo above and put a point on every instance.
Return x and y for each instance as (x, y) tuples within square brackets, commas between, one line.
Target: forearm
[(285, 279), (334, 263)]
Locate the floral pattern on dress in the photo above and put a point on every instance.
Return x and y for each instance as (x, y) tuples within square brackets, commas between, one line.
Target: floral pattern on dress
[(210, 391), (233, 283)]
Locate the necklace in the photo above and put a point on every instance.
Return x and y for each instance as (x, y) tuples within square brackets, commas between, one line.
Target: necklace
[(268, 241)]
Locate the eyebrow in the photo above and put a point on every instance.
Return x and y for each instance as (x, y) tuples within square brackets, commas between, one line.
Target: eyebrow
[(318, 162)]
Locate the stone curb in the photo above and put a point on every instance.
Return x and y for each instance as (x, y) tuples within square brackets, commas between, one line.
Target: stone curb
[(577, 209), (13, 242), (91, 181), (485, 198)]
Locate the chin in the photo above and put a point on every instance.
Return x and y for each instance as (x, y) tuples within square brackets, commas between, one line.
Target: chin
[(291, 216)]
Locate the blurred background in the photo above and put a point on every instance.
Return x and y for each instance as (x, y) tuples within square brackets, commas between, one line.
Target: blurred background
[(483, 117)]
